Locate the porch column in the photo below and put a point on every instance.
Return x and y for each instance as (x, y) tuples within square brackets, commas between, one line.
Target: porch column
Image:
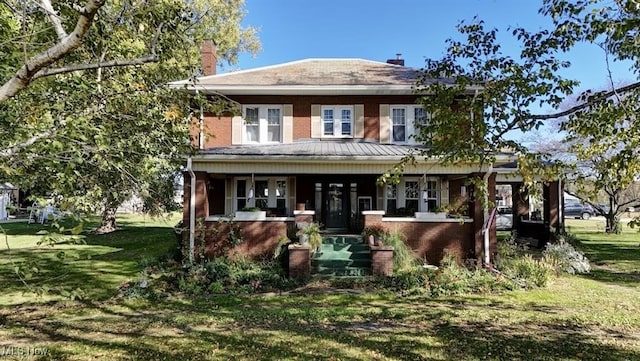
[(303, 216), (552, 192), (372, 217), (520, 197), (202, 198)]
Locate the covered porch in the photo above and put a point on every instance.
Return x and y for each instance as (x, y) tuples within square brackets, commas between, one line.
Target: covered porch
[(282, 185)]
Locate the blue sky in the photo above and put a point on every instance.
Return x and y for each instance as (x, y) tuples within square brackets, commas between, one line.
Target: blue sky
[(291, 30)]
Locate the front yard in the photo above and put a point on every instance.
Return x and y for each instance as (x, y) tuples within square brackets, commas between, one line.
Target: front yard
[(592, 317)]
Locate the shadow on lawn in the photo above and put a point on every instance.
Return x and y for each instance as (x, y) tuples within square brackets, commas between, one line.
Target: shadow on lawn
[(96, 267), (302, 327), (607, 259)]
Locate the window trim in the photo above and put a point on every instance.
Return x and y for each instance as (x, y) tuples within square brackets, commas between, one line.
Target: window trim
[(422, 185), (410, 125), (263, 123), (272, 198), (338, 121)]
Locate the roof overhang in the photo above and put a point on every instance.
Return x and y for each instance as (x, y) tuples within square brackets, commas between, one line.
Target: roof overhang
[(292, 165), (302, 89)]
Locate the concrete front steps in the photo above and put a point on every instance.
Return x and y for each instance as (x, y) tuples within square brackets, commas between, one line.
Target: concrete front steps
[(342, 256)]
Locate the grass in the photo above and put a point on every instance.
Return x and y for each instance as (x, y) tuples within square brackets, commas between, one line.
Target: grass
[(588, 317), (95, 267)]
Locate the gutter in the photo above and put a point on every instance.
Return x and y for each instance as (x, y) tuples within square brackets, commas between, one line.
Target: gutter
[(192, 211)]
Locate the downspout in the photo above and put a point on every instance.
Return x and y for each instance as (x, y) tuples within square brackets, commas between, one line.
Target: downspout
[(200, 127), (485, 206), (192, 211)]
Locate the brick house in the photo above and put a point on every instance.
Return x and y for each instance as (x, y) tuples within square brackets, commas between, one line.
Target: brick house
[(309, 141)]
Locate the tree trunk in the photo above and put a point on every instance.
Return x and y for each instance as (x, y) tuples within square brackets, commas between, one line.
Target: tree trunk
[(108, 222), (613, 223)]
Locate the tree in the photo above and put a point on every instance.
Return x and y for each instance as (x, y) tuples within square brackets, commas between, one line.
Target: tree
[(605, 138), (510, 86), (94, 127)]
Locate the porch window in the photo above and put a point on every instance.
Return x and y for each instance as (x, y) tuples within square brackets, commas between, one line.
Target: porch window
[(262, 124), (430, 195), (241, 194), (412, 196), (263, 193), (392, 199), (337, 121), (281, 194)]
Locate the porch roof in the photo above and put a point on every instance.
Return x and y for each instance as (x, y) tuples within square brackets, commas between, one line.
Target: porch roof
[(325, 157), (317, 149)]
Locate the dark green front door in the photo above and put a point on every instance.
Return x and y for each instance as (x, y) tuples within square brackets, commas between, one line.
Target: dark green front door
[(336, 206)]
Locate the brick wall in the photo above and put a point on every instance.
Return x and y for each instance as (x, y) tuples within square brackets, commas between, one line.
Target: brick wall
[(299, 262), (430, 239), (218, 128), (382, 261)]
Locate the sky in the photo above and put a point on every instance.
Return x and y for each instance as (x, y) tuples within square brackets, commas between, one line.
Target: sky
[(291, 30)]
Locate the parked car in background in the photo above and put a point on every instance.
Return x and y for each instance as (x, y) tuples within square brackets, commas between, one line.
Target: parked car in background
[(578, 210), (604, 208), (504, 218)]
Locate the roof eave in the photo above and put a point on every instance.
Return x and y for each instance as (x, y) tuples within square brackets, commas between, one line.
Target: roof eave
[(302, 89)]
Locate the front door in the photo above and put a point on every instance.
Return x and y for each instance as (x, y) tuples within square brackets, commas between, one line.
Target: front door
[(336, 206)]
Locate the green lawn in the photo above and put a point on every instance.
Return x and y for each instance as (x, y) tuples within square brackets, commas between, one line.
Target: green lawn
[(95, 267), (592, 317)]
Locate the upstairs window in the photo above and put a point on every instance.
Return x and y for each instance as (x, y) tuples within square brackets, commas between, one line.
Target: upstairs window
[(262, 124), (399, 124), (337, 121), (406, 121)]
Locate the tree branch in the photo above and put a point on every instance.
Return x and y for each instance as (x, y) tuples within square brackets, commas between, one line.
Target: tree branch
[(24, 76), (108, 64), (53, 18), (151, 58), (594, 98), (8, 152)]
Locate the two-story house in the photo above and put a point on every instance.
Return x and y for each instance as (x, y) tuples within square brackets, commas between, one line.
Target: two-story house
[(310, 139)]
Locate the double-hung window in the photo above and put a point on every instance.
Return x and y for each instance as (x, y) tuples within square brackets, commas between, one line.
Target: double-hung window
[(399, 124), (261, 192), (412, 195), (431, 195), (262, 124), (406, 121), (337, 121)]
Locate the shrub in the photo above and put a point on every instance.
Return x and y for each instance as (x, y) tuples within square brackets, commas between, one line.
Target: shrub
[(453, 279), (403, 257), (527, 272), (563, 257)]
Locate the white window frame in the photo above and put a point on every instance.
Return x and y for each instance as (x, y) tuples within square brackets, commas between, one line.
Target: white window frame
[(338, 121), (401, 188), (411, 125), (426, 191), (263, 123), (272, 196)]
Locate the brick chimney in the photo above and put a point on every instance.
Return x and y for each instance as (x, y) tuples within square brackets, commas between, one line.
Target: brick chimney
[(396, 61), (208, 57)]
